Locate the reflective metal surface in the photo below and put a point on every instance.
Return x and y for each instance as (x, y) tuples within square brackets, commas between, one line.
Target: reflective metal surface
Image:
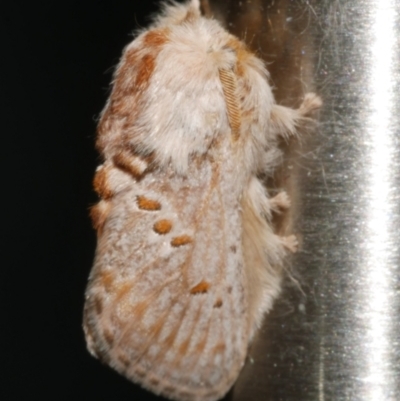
[(334, 334)]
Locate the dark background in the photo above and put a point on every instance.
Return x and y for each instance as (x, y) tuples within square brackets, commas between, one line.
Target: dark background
[(57, 62)]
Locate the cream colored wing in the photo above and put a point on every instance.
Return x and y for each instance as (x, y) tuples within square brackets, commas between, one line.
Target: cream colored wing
[(166, 304)]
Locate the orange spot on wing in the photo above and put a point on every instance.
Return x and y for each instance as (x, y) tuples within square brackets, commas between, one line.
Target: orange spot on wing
[(181, 240), (148, 204), (162, 227), (200, 288), (100, 184), (131, 164)]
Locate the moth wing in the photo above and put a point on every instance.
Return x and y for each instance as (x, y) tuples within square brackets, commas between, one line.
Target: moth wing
[(166, 302)]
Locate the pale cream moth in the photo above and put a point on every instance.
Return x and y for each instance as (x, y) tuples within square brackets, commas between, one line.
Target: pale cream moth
[(187, 262)]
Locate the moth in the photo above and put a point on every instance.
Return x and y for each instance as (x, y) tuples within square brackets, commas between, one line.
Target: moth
[(187, 262)]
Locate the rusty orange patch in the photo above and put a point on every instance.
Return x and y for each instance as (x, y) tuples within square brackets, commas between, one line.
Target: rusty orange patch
[(155, 38), (129, 164), (162, 227), (200, 288), (181, 240), (145, 70), (147, 204), (100, 184)]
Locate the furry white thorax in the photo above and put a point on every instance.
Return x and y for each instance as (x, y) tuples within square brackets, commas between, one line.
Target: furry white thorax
[(184, 110)]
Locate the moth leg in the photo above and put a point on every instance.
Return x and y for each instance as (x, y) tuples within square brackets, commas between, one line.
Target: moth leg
[(290, 243), (310, 103), (280, 201), (285, 120)]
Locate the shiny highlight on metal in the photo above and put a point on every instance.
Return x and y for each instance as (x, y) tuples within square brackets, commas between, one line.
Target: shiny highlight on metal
[(380, 239)]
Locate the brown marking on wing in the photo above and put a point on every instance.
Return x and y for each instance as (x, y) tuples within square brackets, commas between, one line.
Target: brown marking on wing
[(107, 280), (200, 288), (147, 204), (201, 345), (109, 337), (183, 348), (130, 164), (141, 372), (181, 240), (100, 184), (218, 303), (154, 381), (98, 304), (162, 227), (219, 348), (124, 360)]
